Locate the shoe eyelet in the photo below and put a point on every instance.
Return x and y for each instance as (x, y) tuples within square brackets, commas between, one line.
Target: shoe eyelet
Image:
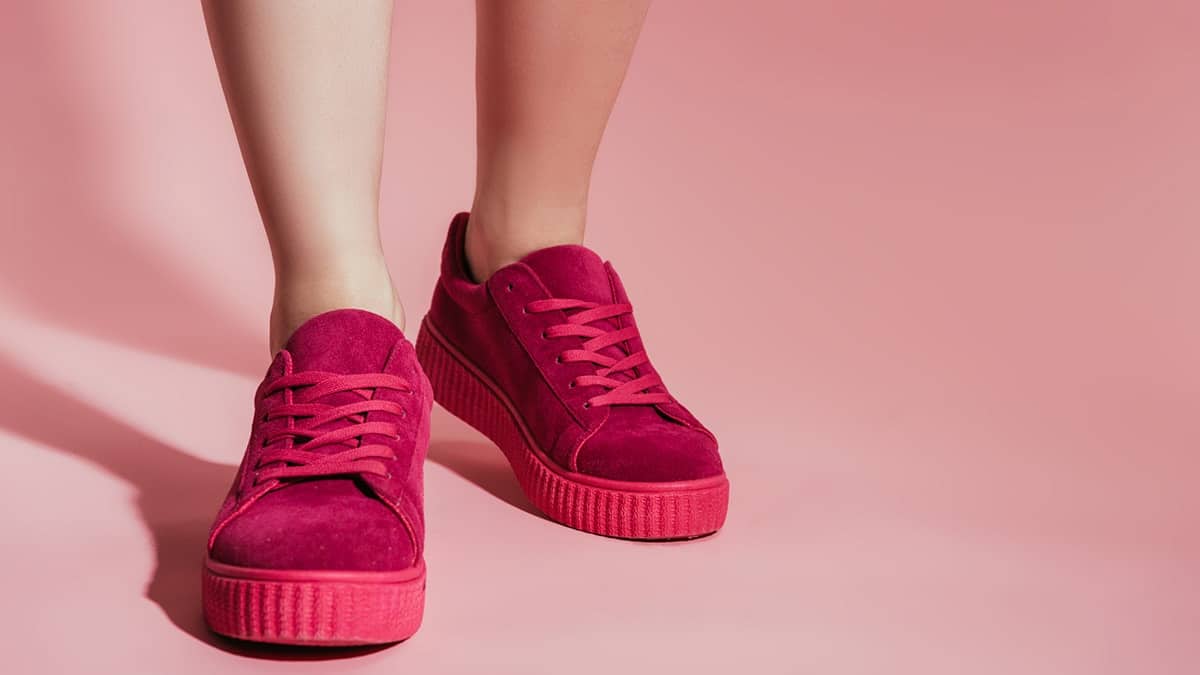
[(403, 413), (544, 336), (509, 288), (587, 404), (558, 360), (571, 384)]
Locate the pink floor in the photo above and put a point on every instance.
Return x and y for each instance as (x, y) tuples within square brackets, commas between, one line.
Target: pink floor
[(929, 269)]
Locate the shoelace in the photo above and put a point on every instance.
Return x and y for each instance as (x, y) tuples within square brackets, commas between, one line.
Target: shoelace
[(307, 416), (629, 391)]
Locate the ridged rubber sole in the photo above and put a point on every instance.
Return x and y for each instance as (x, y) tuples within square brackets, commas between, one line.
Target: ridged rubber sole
[(325, 609), (676, 510)]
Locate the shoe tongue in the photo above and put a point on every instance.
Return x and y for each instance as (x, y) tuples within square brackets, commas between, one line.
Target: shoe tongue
[(571, 271), (344, 341)]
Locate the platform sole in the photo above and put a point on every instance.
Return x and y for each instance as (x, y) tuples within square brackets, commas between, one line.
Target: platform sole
[(320, 608)]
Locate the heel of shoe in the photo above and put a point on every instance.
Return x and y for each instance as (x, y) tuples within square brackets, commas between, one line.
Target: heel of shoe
[(465, 396)]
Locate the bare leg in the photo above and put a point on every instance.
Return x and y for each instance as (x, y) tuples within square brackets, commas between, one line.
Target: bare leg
[(306, 83), (547, 75)]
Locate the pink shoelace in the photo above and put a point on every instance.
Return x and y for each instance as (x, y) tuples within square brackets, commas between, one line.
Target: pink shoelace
[(628, 390), (305, 416)]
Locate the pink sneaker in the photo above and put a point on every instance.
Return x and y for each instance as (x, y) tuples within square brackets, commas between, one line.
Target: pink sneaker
[(319, 540), (545, 359)]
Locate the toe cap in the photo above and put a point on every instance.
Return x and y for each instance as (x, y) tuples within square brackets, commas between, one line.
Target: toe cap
[(649, 449), (329, 524)]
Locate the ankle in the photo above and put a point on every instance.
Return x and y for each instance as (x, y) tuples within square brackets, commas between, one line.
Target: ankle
[(297, 302), (497, 237)]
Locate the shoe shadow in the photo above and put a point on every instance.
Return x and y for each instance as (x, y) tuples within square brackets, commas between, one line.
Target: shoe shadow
[(176, 496), (174, 488), (484, 465)]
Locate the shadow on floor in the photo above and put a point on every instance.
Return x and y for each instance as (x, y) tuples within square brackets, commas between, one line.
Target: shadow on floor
[(484, 465), (177, 495)]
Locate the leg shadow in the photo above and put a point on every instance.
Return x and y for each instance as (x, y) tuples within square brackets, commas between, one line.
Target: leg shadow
[(484, 465)]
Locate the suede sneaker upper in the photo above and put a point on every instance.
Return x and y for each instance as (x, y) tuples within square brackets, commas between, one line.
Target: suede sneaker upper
[(555, 334), (332, 474)]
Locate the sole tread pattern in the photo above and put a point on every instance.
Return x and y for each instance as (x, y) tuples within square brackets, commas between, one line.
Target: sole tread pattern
[(324, 613)]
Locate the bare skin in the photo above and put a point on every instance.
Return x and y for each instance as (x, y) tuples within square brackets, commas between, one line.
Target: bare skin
[(306, 83), (547, 75)]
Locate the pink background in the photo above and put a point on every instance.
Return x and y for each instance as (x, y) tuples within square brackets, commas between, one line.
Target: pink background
[(928, 268)]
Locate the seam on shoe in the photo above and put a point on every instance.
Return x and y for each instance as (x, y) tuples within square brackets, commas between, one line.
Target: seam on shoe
[(574, 457), (239, 510), (418, 546), (402, 493)]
